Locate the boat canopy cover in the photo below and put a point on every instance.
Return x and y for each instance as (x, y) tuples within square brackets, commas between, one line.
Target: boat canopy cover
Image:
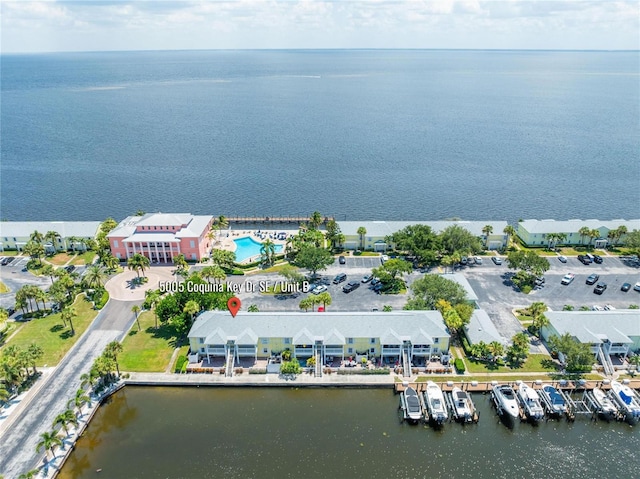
[(625, 399)]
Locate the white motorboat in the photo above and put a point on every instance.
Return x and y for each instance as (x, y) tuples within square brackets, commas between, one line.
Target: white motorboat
[(530, 402), (506, 400), (627, 399), (605, 405), (435, 403), (553, 399), (413, 410), (462, 404)]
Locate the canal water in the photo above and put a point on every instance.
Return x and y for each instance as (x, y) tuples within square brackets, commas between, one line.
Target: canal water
[(153, 432)]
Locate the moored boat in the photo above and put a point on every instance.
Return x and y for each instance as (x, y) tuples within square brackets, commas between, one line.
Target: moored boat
[(553, 400), (530, 402), (506, 400), (606, 407), (463, 406), (412, 408), (435, 403), (627, 399)]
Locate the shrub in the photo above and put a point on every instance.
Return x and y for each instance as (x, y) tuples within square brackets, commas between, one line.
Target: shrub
[(349, 372), (236, 272), (238, 371), (101, 300), (459, 365), (290, 367), (257, 370)]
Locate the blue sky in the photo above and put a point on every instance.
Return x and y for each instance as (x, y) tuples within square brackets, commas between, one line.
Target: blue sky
[(86, 25)]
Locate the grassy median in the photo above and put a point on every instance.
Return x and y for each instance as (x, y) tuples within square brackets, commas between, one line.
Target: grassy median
[(150, 349), (50, 334)]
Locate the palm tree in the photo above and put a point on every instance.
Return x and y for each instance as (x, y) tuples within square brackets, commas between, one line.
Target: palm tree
[(268, 253), (487, 230), (222, 222), (112, 350), (138, 263), (538, 318), (95, 276), (325, 299), (152, 297), (181, 264), (583, 232), (64, 419), (71, 242), (593, 234), (315, 220), (214, 271), (35, 354), (35, 250), (52, 237), (36, 237), (67, 314), (510, 231), (135, 309), (361, 232), (306, 303), (191, 308), (81, 397), (446, 261), (28, 475), (48, 441), (253, 308), (620, 232), (110, 262), (496, 349)]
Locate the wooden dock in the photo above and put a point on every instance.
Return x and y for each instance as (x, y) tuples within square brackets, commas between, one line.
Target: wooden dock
[(273, 219)]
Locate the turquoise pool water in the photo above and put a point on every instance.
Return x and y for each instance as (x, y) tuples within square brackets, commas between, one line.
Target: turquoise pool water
[(247, 247)]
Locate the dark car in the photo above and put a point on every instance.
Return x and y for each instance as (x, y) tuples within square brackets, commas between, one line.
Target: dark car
[(597, 259), (625, 287), (592, 279), (342, 260), (70, 268), (375, 281), (378, 287), (350, 286), (540, 281), (10, 311), (496, 260), (339, 278), (10, 259), (600, 287), (584, 259), (464, 261)]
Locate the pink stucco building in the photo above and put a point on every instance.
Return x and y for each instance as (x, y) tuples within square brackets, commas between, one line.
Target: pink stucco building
[(161, 236)]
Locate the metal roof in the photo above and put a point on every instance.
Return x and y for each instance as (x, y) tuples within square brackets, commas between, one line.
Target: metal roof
[(572, 226), (481, 328), (592, 327), (385, 228), (66, 229)]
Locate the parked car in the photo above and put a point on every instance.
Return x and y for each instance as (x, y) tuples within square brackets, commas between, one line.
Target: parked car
[(568, 278), (592, 279), (350, 286), (625, 287), (70, 268), (608, 307), (340, 278), (374, 281), (562, 259), (637, 286), (600, 287), (496, 260), (540, 281), (478, 260), (597, 259), (378, 287), (584, 259), (342, 260), (595, 307), (384, 258), (321, 288), (464, 261), (367, 278)]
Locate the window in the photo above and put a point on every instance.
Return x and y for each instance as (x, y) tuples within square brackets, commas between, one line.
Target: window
[(350, 350), (436, 340), (201, 340), (373, 341), (265, 351), (193, 256), (350, 340), (118, 255), (287, 340), (372, 351), (435, 350), (202, 350), (115, 243), (192, 243)]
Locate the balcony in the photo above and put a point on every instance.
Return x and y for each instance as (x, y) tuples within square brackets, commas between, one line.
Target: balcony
[(337, 351), (216, 351), (391, 350), (246, 351)]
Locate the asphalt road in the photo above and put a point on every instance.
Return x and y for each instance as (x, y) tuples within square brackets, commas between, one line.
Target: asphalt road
[(21, 432)]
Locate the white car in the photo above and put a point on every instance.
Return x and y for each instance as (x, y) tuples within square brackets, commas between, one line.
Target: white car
[(608, 307), (595, 307), (321, 288), (562, 259), (478, 260), (568, 278), (384, 258), (637, 286)]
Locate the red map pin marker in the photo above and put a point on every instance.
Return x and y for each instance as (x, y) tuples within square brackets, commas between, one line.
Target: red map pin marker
[(234, 306)]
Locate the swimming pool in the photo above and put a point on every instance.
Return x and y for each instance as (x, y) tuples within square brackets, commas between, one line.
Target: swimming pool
[(247, 247)]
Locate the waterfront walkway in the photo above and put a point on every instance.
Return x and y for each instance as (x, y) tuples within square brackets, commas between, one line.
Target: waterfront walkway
[(20, 431)]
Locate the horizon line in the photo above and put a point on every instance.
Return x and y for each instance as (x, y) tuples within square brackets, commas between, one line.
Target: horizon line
[(587, 50)]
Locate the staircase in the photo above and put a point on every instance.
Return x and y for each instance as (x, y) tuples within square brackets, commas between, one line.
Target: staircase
[(318, 368), (230, 359), (606, 361), (406, 365)]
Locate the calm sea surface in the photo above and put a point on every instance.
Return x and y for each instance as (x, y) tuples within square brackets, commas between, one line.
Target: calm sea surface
[(330, 433), (355, 134)]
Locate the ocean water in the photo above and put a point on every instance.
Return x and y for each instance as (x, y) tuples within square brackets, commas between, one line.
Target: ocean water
[(358, 134)]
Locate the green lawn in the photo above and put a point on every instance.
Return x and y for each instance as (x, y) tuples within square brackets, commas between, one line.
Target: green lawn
[(84, 258), (51, 336), (534, 363), (9, 253), (148, 350), (182, 352), (10, 328)]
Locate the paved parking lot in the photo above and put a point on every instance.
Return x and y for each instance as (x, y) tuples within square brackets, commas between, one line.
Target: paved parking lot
[(14, 278)]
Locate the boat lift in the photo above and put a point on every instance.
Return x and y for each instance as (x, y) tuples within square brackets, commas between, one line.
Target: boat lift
[(453, 413), (405, 408), (589, 399), (427, 412)]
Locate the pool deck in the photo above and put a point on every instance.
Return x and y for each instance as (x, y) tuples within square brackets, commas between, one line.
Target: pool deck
[(225, 239)]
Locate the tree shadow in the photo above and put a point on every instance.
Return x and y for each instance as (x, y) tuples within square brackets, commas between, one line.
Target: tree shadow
[(133, 332), (66, 334), (56, 327), (549, 364)]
